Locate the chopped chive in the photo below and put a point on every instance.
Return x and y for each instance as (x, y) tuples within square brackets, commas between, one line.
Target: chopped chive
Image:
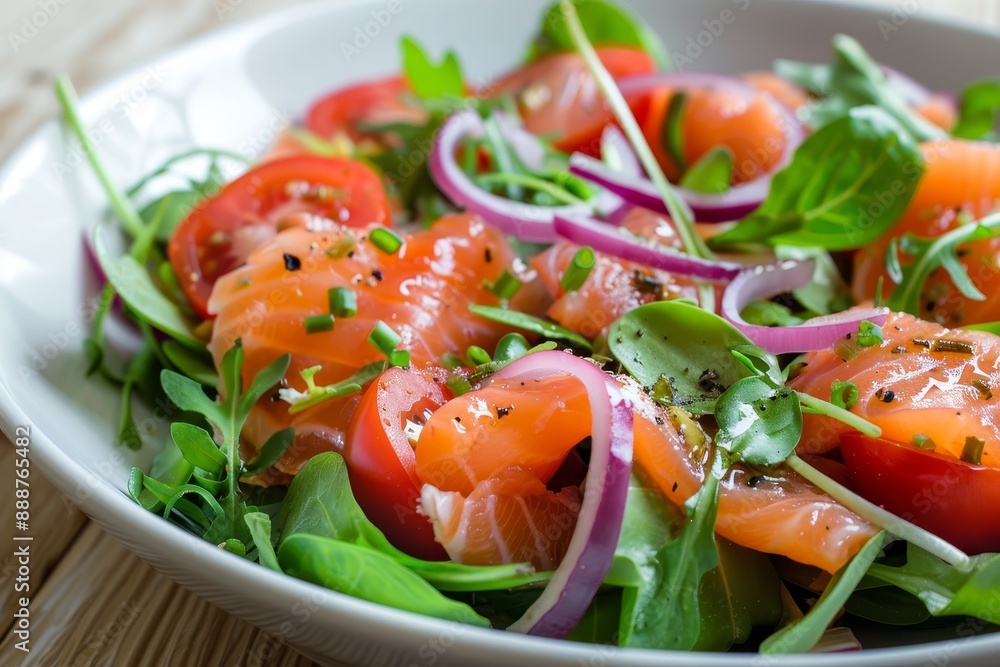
[(342, 247), (458, 385), (844, 395), (477, 355), (506, 286), (385, 240), (343, 302), (399, 358), (579, 269), (869, 334), (510, 347), (319, 323), (973, 450), (921, 441), (384, 338)]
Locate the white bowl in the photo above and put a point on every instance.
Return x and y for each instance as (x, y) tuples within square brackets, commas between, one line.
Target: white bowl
[(233, 89)]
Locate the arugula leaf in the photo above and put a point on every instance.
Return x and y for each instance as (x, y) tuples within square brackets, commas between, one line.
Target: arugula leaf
[(683, 345), (260, 530), (132, 283), (930, 254), (802, 635), (855, 79), (192, 363), (946, 590), (977, 110), (712, 173), (846, 185), (531, 323), (605, 23), (429, 80), (320, 503), (140, 365), (758, 423), (370, 575)]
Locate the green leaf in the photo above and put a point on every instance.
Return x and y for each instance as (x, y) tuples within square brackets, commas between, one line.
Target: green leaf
[(712, 173), (990, 327), (977, 110), (605, 23), (683, 344), (192, 363), (827, 292), (143, 363), (930, 254), (198, 448), (664, 612), (802, 635), (672, 132), (531, 323), (758, 423), (188, 395), (846, 186), (173, 207), (760, 362), (320, 503), (369, 575), (134, 285), (270, 452), (946, 590), (855, 79), (260, 530), (770, 314), (429, 80)]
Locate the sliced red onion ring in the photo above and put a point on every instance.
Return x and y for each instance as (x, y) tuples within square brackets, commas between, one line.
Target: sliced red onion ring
[(605, 238), (768, 281), (595, 537), (732, 204), (525, 221)]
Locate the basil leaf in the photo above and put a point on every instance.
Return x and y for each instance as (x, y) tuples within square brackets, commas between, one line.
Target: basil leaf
[(428, 80), (320, 503), (758, 423), (977, 110), (855, 79), (802, 635), (682, 344), (370, 575), (605, 23), (712, 173), (842, 202)]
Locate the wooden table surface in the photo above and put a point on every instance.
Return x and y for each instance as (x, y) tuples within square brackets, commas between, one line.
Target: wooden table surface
[(94, 602)]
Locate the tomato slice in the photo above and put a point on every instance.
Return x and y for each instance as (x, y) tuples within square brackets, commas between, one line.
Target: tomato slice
[(381, 462), (955, 500), (558, 97), (218, 235), (370, 102)]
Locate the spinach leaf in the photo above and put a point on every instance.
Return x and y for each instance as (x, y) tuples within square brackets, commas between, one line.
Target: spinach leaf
[(758, 422), (712, 173), (855, 79), (599, 624), (320, 503), (605, 23), (944, 589), (977, 110), (682, 345), (802, 635), (429, 80), (846, 185), (370, 575)]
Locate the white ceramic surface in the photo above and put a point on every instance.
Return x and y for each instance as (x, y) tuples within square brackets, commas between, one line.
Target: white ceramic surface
[(233, 89)]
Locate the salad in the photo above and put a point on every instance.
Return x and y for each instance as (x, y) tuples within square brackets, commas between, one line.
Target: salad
[(596, 350)]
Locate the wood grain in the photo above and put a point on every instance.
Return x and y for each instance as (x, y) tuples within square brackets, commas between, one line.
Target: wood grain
[(95, 603)]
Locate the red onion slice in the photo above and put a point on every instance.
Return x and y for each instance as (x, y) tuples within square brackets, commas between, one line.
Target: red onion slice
[(768, 281), (525, 221), (734, 203), (607, 239), (591, 549)]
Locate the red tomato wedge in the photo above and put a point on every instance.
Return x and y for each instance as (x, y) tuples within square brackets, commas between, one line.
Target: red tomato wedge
[(219, 234), (558, 97), (380, 459), (346, 109), (956, 501)]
